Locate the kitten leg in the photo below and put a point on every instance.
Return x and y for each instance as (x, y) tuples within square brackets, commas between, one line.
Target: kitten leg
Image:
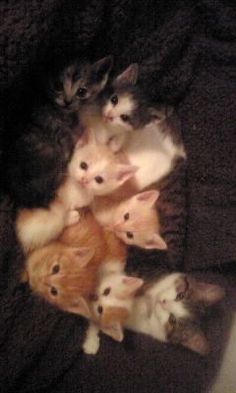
[(92, 341), (72, 218), (116, 142)]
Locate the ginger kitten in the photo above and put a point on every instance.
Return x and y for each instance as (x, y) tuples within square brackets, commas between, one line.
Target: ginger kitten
[(134, 220), (65, 272)]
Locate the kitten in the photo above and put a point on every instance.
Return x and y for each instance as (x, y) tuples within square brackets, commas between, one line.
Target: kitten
[(169, 308), (65, 272), (93, 170), (43, 151), (134, 220)]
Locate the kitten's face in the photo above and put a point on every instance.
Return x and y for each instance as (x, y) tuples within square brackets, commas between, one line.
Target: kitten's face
[(79, 83), (174, 305), (96, 168), (112, 302), (61, 275), (177, 302), (136, 223), (126, 107)]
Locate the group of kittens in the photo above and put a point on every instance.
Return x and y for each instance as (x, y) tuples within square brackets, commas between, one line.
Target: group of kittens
[(87, 169)]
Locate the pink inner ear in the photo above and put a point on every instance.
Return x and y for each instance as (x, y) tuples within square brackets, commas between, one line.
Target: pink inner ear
[(129, 75), (198, 343), (125, 172), (115, 331), (156, 242), (133, 283), (148, 196), (210, 293), (80, 307)]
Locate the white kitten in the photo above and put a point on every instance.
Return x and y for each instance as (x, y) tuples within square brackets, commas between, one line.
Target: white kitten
[(93, 170)]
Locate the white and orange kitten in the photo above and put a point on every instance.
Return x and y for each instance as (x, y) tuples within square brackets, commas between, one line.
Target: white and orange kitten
[(93, 170), (168, 308), (134, 220)]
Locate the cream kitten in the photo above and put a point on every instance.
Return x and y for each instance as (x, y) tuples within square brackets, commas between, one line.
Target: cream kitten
[(169, 308), (134, 220), (93, 170)]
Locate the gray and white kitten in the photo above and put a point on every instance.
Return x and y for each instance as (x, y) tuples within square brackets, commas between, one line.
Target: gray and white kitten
[(147, 134), (168, 308)]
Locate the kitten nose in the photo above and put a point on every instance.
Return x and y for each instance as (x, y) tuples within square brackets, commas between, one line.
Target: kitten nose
[(108, 117), (83, 181), (67, 102)]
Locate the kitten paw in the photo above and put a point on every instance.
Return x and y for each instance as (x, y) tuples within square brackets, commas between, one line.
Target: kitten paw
[(115, 144), (91, 345), (72, 218)]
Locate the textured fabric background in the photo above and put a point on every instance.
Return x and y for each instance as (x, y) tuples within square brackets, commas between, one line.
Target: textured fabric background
[(186, 50)]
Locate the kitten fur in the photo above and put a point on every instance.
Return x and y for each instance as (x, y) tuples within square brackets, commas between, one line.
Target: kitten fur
[(102, 174), (168, 308), (65, 272), (134, 220), (44, 148)]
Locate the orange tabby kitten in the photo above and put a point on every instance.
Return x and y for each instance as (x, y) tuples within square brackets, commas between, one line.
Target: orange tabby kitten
[(65, 272), (133, 219)]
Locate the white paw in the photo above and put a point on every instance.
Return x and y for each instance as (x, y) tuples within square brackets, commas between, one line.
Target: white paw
[(115, 144), (91, 345), (72, 218)]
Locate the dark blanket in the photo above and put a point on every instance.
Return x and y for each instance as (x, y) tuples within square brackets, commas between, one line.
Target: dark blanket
[(186, 53)]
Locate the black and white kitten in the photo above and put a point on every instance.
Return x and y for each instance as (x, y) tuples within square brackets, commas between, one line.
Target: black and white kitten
[(169, 308), (36, 162)]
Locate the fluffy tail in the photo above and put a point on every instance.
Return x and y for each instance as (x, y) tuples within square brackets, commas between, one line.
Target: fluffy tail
[(37, 227)]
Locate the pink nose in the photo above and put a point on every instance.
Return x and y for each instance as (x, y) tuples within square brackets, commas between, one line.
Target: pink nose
[(108, 117), (83, 181)]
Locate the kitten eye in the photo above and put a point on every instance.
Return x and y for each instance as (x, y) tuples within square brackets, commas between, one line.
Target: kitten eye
[(125, 118), (84, 165), (106, 291), (129, 235), (54, 291), (114, 100), (180, 296), (126, 216), (172, 319), (81, 92), (100, 309), (56, 269), (99, 179)]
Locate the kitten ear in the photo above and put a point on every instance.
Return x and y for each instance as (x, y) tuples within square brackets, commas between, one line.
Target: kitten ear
[(80, 307), (114, 331), (149, 197), (209, 294), (82, 141), (128, 77), (88, 137), (102, 68), (125, 172), (161, 113), (197, 342), (132, 283), (83, 255), (156, 242)]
